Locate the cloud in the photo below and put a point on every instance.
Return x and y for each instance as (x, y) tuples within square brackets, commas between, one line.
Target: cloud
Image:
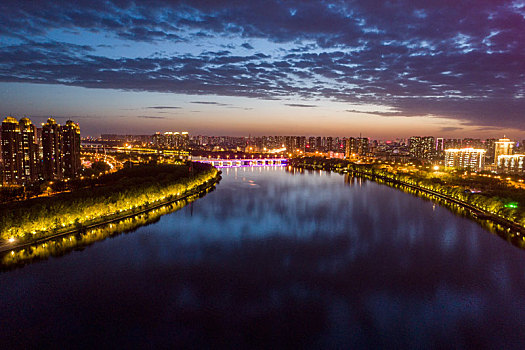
[(378, 113), (163, 107), (450, 129), (209, 103), (243, 108), (150, 117), (452, 60), (300, 105)]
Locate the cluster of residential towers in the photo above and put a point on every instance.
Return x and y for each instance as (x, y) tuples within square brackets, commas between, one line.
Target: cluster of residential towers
[(31, 154)]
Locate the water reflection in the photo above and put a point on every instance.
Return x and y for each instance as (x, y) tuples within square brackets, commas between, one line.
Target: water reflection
[(297, 261), (511, 236), (76, 241)]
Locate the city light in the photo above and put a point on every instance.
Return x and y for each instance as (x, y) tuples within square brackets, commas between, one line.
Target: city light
[(264, 174)]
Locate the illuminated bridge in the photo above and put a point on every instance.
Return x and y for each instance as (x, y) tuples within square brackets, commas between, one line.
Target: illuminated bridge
[(244, 162)]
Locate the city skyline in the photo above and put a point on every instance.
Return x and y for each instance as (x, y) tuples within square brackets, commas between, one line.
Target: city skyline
[(382, 69)]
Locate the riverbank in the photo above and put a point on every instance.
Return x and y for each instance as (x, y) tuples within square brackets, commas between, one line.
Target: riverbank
[(123, 194), (67, 242), (480, 206)]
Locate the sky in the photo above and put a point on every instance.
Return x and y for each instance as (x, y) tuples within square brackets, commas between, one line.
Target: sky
[(383, 69)]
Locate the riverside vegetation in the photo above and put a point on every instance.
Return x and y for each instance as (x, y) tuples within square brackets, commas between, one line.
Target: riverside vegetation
[(493, 196), (65, 244), (112, 196)]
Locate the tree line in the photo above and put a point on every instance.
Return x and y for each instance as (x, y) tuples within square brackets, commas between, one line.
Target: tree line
[(128, 190)]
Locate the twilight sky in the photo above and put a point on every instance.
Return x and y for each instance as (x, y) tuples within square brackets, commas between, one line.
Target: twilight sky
[(380, 68)]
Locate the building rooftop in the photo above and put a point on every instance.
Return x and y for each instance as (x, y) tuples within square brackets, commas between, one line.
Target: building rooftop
[(10, 120)]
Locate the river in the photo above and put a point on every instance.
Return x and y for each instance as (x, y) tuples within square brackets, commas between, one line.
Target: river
[(278, 258)]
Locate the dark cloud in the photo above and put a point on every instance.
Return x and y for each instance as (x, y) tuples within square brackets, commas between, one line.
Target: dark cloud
[(382, 114), (300, 105), (164, 107), (450, 129), (209, 103), (150, 117), (463, 59), (243, 108)]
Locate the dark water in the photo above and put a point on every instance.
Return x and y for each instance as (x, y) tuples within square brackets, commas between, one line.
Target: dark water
[(280, 260)]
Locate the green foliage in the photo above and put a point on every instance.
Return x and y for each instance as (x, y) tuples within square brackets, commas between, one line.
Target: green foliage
[(107, 197)]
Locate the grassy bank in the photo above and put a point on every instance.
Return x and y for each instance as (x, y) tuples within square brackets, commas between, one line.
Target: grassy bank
[(113, 195)]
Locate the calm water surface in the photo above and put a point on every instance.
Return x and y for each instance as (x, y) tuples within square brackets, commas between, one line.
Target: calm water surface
[(276, 259)]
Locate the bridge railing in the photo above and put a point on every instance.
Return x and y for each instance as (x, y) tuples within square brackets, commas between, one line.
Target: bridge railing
[(246, 162)]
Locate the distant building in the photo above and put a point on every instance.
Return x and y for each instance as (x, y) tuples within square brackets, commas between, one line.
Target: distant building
[(319, 144), (503, 147), (422, 147), (490, 146), (329, 144), (512, 164), (144, 139), (311, 144), (52, 150), (465, 158), (172, 140), (452, 143), (357, 146), (19, 151), (71, 164), (471, 143), (440, 147), (10, 142), (28, 149)]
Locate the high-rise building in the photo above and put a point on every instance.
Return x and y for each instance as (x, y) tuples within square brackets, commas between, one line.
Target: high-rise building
[(19, 151), (28, 149), (356, 146), (329, 144), (429, 147), (184, 142), (471, 143), (422, 147), (10, 142), (319, 144), (300, 143), (452, 143), (512, 163), (415, 147), (465, 158), (52, 150), (503, 147), (522, 146), (311, 144), (174, 140), (71, 149), (440, 147), (490, 146)]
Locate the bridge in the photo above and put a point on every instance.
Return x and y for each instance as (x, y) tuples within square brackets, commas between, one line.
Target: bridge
[(243, 162)]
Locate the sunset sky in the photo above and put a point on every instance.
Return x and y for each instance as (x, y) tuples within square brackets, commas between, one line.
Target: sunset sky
[(381, 68)]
